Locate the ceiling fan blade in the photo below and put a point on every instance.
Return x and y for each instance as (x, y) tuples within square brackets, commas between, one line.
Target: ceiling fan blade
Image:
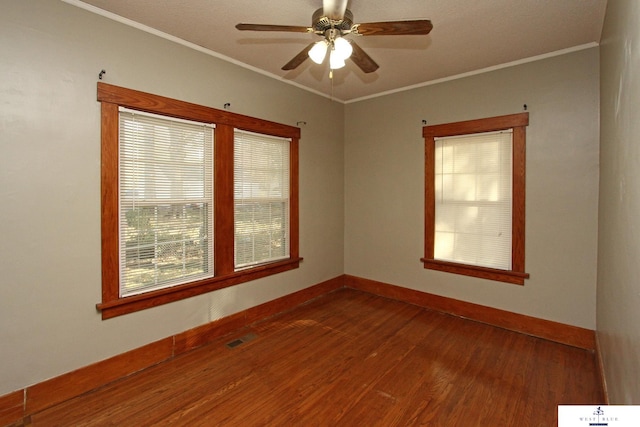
[(267, 27), (334, 9), (393, 28), (362, 60), (298, 59)]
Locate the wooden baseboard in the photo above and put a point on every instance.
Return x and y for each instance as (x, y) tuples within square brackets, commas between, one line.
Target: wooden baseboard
[(71, 384), (600, 364), (22, 403), (11, 407), (549, 330)]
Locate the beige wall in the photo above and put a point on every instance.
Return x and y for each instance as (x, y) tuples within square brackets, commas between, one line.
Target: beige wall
[(618, 307), (50, 57), (384, 200)]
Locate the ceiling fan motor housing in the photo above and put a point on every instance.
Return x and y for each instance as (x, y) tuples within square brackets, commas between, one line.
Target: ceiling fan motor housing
[(321, 23)]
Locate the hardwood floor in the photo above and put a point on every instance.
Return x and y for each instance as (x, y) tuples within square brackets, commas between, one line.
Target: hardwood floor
[(349, 359)]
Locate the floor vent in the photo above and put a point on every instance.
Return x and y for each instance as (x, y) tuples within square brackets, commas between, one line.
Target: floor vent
[(239, 341)]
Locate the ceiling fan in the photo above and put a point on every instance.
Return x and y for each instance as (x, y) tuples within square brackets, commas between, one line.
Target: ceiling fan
[(333, 22)]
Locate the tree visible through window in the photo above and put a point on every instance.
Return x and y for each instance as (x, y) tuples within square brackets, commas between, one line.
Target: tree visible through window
[(474, 197)]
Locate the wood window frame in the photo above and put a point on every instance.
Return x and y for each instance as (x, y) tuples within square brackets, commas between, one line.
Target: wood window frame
[(516, 122), (111, 98)]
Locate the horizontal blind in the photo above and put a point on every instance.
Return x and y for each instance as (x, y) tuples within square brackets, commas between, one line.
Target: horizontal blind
[(261, 198), (473, 191), (166, 201)]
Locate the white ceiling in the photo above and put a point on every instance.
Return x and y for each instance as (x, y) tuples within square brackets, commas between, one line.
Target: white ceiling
[(467, 36)]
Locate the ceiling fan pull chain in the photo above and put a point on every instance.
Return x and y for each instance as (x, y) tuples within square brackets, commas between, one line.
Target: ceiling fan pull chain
[(331, 80)]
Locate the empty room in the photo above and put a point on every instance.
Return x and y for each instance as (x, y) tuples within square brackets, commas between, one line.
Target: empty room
[(318, 213)]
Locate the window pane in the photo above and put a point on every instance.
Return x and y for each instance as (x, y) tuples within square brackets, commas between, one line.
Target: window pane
[(166, 202), (165, 244), (261, 198)]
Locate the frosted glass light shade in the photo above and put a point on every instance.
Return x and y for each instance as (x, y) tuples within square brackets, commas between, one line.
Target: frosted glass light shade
[(343, 48), (318, 52), (335, 60)]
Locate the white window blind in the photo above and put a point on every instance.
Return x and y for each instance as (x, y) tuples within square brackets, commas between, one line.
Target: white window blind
[(474, 199), (166, 201), (261, 198)]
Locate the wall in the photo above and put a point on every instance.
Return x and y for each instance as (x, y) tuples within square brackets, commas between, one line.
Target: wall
[(618, 306), (384, 191), (50, 268)]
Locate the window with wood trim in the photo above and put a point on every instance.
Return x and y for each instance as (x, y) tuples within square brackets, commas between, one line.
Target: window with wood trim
[(194, 199), (475, 198)]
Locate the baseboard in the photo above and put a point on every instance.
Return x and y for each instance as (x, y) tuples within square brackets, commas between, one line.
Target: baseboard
[(17, 405), (11, 407), (549, 330), (600, 364)]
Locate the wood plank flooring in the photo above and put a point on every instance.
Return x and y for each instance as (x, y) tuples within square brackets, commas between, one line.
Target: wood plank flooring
[(349, 359)]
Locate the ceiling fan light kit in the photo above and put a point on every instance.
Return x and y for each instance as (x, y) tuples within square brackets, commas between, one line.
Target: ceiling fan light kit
[(340, 51), (333, 22)]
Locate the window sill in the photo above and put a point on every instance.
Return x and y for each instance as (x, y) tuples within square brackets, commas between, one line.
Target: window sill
[(134, 303), (514, 277)]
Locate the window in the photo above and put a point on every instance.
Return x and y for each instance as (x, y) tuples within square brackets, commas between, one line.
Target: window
[(475, 198), (193, 199), (261, 199)]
